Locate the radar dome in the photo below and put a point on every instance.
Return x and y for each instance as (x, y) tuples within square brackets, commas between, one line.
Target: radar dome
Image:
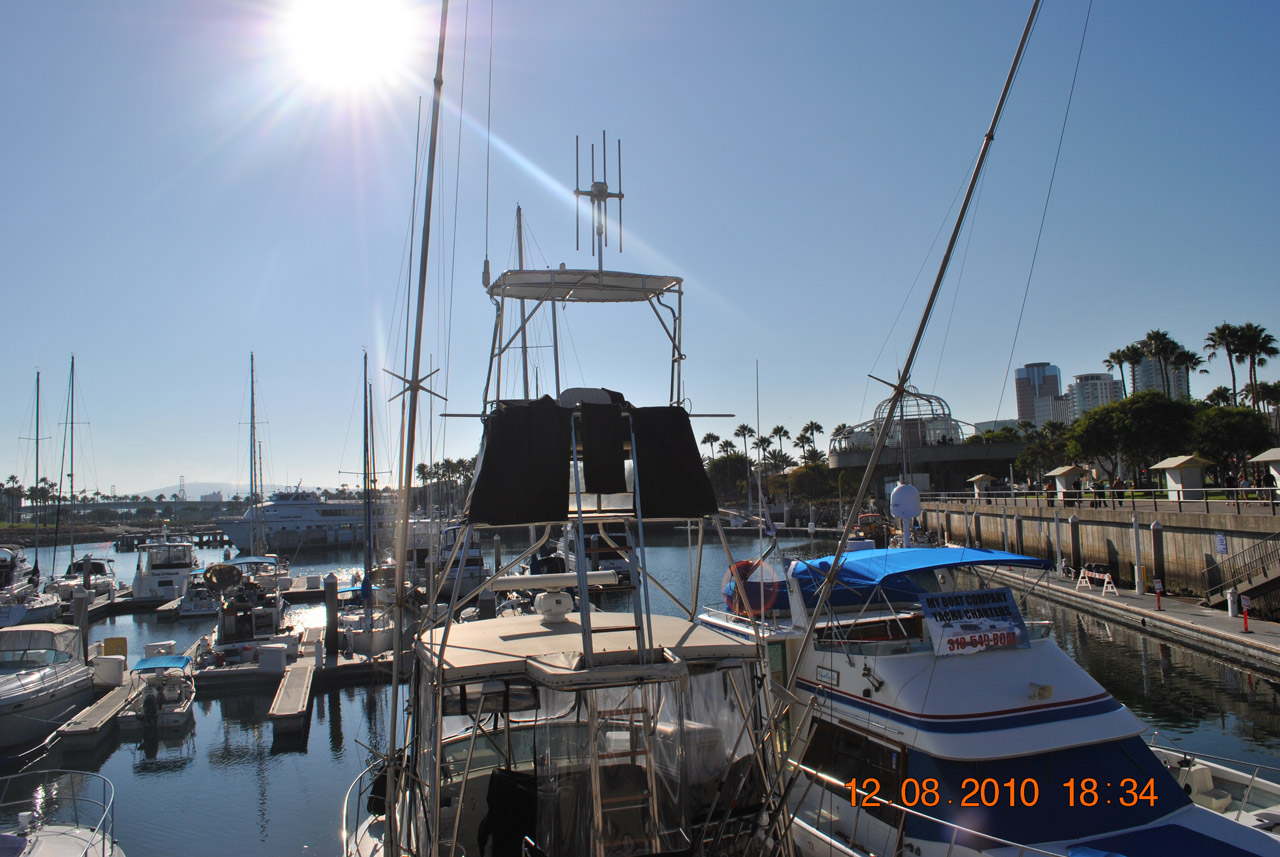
[(904, 502)]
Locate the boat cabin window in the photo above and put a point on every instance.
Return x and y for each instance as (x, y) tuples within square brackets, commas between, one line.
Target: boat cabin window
[(842, 755)]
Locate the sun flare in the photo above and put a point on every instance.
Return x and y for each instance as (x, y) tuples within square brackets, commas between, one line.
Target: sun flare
[(348, 45)]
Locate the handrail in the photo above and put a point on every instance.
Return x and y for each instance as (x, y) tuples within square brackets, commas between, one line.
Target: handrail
[(70, 793), (1234, 764), (1207, 499), (1250, 561), (956, 829)]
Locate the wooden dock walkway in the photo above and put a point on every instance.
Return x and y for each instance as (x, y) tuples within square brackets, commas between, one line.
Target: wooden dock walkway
[(289, 709), (91, 725)]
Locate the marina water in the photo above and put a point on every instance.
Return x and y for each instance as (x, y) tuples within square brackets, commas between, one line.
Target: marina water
[(223, 787)]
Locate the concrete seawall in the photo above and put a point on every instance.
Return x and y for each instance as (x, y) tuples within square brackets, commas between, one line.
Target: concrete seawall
[(1176, 547)]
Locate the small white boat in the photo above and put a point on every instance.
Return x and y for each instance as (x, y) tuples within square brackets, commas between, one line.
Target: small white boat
[(44, 681), (1242, 791), (14, 568), (25, 604), (58, 814), (199, 602), (101, 577), (368, 631), (164, 569), (164, 693)]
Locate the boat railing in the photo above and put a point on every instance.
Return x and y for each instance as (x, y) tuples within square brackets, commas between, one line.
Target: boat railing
[(956, 830), (78, 798), (1254, 771)]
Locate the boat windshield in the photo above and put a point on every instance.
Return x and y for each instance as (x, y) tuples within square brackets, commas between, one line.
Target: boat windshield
[(17, 660)]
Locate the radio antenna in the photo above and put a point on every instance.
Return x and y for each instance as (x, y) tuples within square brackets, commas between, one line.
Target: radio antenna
[(599, 195)]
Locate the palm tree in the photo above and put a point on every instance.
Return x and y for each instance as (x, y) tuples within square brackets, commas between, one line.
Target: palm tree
[(727, 447), (802, 442), (1221, 397), (813, 429), (1254, 345), (1188, 361), (1132, 355), (711, 439), (744, 431), (780, 434), (1223, 338), (1160, 347), (1116, 360)]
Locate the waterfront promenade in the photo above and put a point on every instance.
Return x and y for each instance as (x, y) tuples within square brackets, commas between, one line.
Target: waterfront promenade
[(1179, 620)]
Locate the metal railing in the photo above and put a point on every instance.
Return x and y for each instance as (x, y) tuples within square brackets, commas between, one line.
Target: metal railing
[(1207, 500), (1242, 567), (61, 797), (1246, 769)]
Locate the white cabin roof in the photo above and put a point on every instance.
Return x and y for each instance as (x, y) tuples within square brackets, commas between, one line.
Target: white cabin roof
[(576, 284)]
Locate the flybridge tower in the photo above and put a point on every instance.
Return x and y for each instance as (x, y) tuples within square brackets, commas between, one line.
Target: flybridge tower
[(520, 294), (599, 195)]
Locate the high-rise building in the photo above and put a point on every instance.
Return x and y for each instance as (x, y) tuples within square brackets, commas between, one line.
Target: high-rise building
[(1034, 382), (1089, 391), (1149, 377)]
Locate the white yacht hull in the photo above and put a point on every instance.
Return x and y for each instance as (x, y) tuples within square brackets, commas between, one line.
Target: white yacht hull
[(26, 717)]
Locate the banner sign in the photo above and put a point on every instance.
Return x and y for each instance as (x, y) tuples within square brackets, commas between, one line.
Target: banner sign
[(1220, 542), (962, 623)]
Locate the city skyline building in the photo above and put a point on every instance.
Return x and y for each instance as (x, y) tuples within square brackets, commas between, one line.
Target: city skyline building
[(1036, 386), (1089, 391), (1147, 376)]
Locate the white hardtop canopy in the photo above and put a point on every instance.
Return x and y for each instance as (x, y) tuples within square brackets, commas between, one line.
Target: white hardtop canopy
[(1271, 455), (576, 284), (504, 648)]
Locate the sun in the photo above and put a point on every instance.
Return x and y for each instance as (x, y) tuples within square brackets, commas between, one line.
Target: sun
[(349, 45)]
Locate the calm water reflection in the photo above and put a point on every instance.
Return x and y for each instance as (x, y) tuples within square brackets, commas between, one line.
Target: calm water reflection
[(225, 787)]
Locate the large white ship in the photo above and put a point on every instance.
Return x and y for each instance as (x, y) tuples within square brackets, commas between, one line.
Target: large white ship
[(293, 519)]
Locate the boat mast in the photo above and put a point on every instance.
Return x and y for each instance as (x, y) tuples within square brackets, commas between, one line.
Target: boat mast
[(255, 478), (904, 376), (368, 488), (414, 384), (36, 493), (71, 469)]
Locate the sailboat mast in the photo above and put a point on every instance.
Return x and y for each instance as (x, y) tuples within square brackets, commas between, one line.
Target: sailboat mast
[(35, 494), (71, 461), (392, 838), (255, 499), (368, 488), (524, 317)]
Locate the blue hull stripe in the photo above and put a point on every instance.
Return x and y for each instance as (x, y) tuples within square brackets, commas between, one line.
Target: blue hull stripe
[(977, 723)]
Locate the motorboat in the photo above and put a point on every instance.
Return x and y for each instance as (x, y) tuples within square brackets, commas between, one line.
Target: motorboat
[(95, 574), (164, 691), (1242, 791), (268, 571), (198, 602), (57, 813), (954, 726), (15, 570), (44, 680), (164, 569), (587, 731), (558, 728)]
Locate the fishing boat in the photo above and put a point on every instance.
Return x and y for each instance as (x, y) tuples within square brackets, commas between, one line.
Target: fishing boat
[(563, 729), (164, 569), (44, 680), (954, 726), (15, 570), (57, 813), (164, 692)]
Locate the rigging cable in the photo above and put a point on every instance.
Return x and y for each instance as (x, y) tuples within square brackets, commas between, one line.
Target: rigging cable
[(1062, 133)]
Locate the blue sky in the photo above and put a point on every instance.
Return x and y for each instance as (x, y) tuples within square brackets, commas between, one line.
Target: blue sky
[(177, 194)]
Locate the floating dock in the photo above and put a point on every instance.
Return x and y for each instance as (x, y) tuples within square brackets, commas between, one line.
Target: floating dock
[(94, 723), (291, 708)]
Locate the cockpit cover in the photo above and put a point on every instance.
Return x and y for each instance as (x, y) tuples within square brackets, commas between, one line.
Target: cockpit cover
[(60, 638)]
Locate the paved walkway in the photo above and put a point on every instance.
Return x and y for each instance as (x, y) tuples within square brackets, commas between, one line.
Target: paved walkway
[(1179, 620)]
